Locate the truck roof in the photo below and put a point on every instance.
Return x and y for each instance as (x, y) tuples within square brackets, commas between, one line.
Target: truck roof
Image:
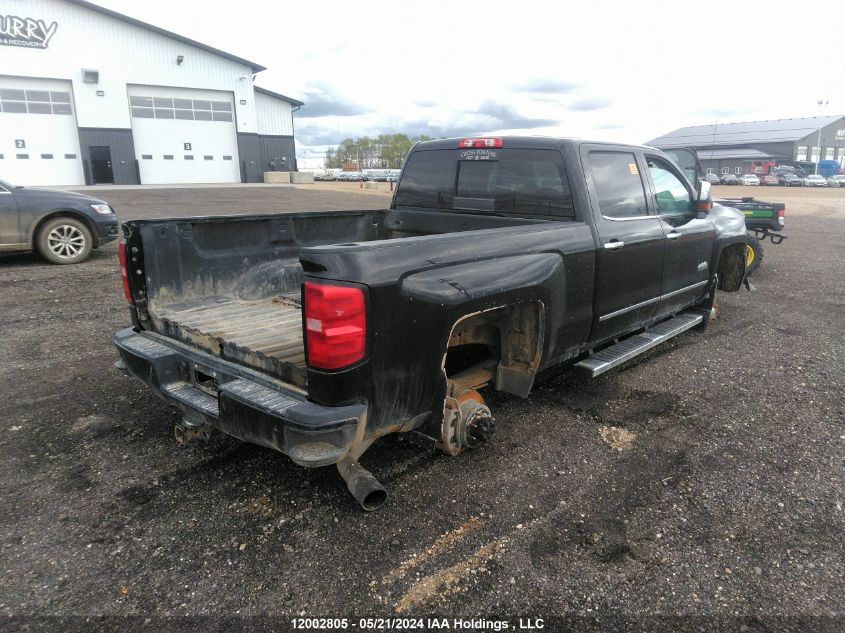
[(518, 142)]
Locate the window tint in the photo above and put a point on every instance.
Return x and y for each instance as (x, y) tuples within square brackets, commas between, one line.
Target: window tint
[(524, 182), (13, 106), (427, 177), (16, 95), (618, 184), (671, 194), (37, 95)]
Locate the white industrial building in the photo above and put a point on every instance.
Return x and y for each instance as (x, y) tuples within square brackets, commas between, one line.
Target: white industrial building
[(90, 96)]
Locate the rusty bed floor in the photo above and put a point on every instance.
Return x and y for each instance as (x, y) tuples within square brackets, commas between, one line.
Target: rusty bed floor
[(269, 327)]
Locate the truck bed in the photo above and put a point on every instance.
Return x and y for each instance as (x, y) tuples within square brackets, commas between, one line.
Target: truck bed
[(264, 333), (231, 285)]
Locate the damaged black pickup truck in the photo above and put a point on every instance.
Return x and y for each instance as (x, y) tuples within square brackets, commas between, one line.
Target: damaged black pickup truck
[(317, 333)]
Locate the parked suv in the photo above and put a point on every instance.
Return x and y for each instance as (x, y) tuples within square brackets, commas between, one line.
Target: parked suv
[(63, 227)]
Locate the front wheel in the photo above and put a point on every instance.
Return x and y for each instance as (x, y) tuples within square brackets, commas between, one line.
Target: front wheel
[(64, 241), (753, 255)]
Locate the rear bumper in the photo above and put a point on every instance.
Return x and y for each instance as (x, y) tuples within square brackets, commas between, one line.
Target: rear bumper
[(245, 404)]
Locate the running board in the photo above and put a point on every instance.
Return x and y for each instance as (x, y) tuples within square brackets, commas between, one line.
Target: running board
[(610, 357)]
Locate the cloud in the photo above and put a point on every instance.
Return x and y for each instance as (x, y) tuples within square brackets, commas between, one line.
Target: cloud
[(313, 135), (585, 104), (721, 111), (425, 103), (610, 126), (489, 116), (321, 101), (545, 86), (508, 118)]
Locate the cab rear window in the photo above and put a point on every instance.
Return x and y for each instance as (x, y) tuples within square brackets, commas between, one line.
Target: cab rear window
[(519, 182)]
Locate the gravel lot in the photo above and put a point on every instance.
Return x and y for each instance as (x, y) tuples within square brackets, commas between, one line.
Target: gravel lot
[(723, 507)]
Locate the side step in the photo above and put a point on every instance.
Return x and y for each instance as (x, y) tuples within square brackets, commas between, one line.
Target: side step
[(610, 357)]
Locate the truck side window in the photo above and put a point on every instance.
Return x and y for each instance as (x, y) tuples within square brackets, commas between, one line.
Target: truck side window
[(673, 198), (618, 184)]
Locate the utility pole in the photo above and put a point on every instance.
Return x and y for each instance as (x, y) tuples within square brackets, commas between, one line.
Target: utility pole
[(821, 105)]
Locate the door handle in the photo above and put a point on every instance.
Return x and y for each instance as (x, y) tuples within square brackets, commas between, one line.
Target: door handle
[(614, 245), (673, 235)]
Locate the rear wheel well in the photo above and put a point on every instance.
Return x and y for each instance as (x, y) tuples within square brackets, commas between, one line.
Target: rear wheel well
[(731, 267), (502, 345), (65, 213)]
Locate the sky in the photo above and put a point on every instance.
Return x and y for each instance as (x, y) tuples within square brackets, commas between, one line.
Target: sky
[(599, 69)]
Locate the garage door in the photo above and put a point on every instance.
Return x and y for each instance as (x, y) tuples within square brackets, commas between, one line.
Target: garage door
[(184, 136), (39, 142)]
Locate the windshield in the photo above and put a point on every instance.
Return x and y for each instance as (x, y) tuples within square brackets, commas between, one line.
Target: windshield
[(7, 186), (520, 182)]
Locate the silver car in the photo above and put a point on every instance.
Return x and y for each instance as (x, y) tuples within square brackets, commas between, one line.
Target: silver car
[(814, 180), (836, 181), (749, 179)]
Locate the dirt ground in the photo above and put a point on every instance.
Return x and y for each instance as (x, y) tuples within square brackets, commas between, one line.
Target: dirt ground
[(701, 485)]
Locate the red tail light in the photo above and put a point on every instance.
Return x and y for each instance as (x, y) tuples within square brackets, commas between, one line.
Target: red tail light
[(335, 325), (781, 216), (121, 252), (465, 143)]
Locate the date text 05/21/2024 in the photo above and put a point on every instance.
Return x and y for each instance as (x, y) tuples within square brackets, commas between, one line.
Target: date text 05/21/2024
[(415, 624)]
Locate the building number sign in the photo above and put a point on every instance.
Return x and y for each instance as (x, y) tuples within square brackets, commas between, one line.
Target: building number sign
[(20, 143), (187, 147)]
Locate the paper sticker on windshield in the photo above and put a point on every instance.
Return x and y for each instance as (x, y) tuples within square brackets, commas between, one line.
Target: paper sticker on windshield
[(478, 154), (632, 167)]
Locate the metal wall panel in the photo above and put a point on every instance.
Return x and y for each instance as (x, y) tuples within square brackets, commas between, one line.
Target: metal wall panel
[(271, 147), (273, 115)]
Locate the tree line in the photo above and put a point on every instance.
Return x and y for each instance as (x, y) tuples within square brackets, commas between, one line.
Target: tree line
[(386, 151)]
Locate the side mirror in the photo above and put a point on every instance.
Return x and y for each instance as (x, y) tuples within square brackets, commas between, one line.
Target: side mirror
[(704, 202)]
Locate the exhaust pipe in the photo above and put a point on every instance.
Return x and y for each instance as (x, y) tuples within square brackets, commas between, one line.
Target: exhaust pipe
[(363, 485)]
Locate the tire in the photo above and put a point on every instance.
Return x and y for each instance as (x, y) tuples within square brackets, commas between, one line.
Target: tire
[(753, 255), (64, 241)]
